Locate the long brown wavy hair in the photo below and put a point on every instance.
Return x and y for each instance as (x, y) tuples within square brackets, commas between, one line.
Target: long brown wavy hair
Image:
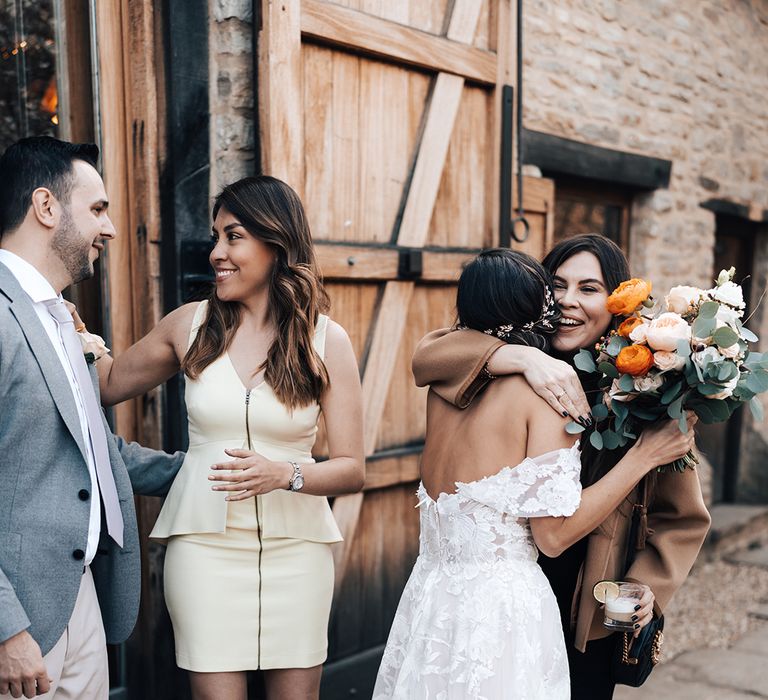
[(272, 212)]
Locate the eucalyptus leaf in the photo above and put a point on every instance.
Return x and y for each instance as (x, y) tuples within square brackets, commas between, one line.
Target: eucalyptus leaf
[(727, 371), (682, 423), (709, 389), (748, 335), (670, 394), (757, 409), (574, 428), (725, 337), (584, 361), (599, 411), (596, 440), (608, 369), (757, 381), (709, 309), (620, 410), (616, 344), (683, 347), (627, 383), (675, 409), (703, 327), (610, 439)]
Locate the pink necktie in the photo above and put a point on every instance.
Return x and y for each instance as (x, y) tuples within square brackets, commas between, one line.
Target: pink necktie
[(107, 488)]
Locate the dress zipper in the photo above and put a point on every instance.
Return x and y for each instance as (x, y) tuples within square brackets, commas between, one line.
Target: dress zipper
[(258, 527)]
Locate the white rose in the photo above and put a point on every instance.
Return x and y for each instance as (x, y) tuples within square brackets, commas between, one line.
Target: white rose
[(709, 354), (728, 388), (680, 298), (617, 394), (729, 293), (727, 316), (666, 361), (650, 382), (731, 352), (664, 331), (638, 333), (93, 343)]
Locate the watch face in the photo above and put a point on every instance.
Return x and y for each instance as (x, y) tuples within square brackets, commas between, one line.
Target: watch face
[(298, 483)]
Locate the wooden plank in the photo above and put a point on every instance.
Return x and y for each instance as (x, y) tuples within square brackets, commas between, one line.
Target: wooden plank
[(389, 325), (390, 322), (436, 137), (280, 92), (568, 157), (115, 137), (381, 473), (358, 31), (369, 263)]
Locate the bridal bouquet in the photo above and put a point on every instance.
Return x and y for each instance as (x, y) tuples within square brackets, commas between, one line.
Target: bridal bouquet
[(691, 353)]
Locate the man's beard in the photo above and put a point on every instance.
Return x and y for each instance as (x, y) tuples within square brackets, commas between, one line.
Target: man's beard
[(71, 249)]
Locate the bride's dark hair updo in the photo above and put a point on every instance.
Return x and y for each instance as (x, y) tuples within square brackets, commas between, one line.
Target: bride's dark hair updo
[(508, 294)]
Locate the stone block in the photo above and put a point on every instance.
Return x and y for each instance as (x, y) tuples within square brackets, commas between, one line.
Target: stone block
[(226, 9), (734, 669)]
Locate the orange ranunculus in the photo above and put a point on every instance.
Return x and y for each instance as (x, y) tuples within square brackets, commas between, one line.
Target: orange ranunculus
[(629, 325), (628, 296), (635, 360)]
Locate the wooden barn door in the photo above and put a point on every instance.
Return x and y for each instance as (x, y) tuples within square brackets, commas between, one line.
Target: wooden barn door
[(384, 115)]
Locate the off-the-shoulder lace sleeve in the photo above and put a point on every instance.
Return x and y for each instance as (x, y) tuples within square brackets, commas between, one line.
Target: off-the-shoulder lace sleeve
[(543, 486)]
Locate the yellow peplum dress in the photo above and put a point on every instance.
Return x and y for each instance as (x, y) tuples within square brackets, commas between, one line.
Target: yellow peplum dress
[(249, 583)]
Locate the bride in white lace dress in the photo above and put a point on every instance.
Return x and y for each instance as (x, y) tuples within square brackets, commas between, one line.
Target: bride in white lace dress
[(477, 618)]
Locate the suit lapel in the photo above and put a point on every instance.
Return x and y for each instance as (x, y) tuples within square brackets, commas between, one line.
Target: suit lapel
[(44, 353)]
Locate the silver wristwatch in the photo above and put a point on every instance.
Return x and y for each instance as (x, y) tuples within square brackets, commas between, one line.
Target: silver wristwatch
[(297, 480)]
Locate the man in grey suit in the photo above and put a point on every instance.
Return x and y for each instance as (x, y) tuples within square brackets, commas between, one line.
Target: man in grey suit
[(69, 549)]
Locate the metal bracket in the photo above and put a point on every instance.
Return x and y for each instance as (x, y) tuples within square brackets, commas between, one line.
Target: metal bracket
[(409, 263)]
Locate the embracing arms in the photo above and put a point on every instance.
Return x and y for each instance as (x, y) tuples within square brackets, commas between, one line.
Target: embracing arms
[(654, 447), (453, 363), (151, 361)]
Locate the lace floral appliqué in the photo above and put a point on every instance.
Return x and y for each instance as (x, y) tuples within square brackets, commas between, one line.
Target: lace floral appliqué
[(477, 618)]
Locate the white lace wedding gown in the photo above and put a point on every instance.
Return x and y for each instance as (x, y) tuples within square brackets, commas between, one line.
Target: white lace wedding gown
[(477, 618)]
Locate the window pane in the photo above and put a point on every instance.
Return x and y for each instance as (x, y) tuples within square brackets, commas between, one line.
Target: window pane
[(28, 90)]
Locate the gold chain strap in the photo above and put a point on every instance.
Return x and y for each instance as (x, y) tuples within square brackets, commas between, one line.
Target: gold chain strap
[(658, 641)]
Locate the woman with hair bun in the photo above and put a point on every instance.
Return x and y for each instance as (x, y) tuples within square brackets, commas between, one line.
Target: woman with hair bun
[(500, 481), (248, 569)]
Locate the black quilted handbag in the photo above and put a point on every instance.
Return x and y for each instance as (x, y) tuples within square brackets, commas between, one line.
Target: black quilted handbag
[(634, 659)]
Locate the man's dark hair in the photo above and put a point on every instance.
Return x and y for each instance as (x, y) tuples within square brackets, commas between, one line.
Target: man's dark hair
[(37, 161)]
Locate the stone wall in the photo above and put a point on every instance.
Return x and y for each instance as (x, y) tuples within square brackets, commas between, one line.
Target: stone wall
[(231, 92), (683, 80)]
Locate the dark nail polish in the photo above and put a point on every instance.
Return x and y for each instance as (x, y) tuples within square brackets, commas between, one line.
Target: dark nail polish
[(637, 607), (637, 627), (565, 414), (634, 618)]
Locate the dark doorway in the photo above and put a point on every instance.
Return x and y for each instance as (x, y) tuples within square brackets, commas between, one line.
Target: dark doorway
[(734, 247)]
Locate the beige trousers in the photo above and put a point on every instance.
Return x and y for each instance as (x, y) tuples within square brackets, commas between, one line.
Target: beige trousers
[(77, 664)]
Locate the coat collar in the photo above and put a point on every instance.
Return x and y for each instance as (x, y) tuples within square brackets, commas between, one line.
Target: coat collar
[(22, 309)]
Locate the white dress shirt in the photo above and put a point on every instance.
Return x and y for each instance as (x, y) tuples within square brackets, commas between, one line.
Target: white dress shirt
[(39, 291)]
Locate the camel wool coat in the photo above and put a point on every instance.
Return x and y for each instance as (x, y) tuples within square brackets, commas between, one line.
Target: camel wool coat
[(452, 363)]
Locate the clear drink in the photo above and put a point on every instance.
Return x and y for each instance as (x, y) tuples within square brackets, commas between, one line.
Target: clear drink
[(620, 608)]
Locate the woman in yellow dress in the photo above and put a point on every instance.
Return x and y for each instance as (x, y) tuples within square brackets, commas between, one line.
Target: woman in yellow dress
[(248, 568)]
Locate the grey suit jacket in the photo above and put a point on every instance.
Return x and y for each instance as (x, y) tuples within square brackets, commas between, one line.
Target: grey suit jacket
[(45, 489)]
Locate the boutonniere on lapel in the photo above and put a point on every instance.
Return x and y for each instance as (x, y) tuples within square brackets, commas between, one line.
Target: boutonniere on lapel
[(94, 346)]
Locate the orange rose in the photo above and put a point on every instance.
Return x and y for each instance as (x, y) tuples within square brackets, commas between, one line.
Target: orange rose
[(628, 296), (634, 360), (629, 325)]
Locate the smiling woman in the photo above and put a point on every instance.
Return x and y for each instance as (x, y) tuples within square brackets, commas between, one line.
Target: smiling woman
[(247, 513)]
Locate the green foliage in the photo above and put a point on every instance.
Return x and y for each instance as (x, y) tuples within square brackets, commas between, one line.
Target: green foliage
[(608, 369), (574, 428), (584, 361)]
